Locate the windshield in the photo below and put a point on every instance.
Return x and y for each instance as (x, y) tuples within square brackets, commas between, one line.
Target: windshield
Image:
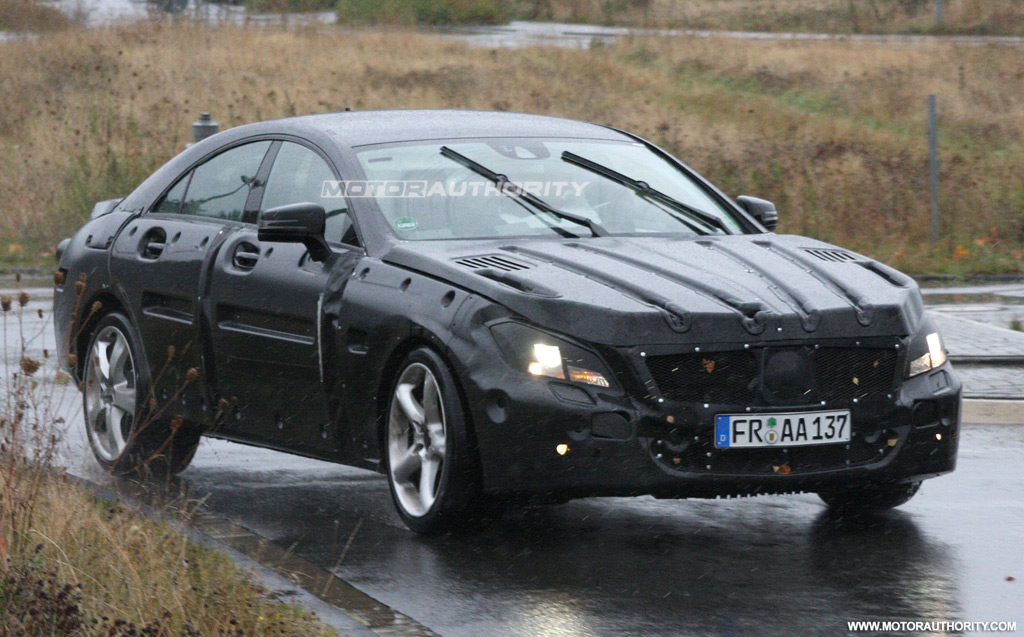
[(425, 194)]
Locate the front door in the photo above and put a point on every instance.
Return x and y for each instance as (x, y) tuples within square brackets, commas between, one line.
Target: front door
[(265, 308)]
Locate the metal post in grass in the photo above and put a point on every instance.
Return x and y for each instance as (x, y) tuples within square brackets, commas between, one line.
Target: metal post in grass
[(204, 127), (933, 163), (938, 12)]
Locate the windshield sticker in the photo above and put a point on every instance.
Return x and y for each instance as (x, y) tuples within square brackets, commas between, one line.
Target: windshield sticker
[(406, 223)]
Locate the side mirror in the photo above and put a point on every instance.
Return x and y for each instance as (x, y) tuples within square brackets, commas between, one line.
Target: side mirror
[(296, 223), (760, 209)]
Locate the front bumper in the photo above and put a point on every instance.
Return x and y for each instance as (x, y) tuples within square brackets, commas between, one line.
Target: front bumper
[(620, 445)]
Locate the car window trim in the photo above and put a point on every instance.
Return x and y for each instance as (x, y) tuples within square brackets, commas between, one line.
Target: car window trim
[(251, 210), (199, 162), (187, 178), (173, 216)]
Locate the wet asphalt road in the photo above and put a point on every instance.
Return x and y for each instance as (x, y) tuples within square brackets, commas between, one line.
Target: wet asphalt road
[(638, 566), (764, 566)]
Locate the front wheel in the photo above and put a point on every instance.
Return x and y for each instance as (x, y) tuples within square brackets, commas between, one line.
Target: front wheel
[(871, 498), (431, 463)]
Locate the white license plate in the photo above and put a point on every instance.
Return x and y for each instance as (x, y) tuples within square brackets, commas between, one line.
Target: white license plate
[(782, 430)]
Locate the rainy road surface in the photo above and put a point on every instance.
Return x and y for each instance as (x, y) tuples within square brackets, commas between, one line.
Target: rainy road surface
[(638, 566), (764, 566)]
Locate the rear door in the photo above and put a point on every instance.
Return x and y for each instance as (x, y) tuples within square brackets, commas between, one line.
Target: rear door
[(265, 301), (158, 260)]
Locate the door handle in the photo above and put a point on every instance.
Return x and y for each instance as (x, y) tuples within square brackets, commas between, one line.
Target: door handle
[(245, 256), (153, 249), (153, 244)]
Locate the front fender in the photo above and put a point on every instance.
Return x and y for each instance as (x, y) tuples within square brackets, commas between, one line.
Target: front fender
[(384, 312)]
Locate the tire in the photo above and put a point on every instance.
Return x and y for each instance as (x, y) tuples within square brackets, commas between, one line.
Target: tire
[(431, 464), (123, 438), (870, 499)]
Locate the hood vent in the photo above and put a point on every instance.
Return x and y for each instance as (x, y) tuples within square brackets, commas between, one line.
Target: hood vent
[(493, 261), (833, 256)]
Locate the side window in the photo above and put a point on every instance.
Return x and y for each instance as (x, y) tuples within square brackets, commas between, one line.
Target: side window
[(298, 176), (172, 200), (220, 187)]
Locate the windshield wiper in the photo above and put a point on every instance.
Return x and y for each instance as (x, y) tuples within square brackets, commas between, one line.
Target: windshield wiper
[(644, 190), (513, 190)]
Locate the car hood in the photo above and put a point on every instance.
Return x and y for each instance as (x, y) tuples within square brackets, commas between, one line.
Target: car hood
[(650, 290)]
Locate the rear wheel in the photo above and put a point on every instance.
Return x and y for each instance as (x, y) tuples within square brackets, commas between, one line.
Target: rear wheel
[(124, 439), (431, 465), (873, 498)]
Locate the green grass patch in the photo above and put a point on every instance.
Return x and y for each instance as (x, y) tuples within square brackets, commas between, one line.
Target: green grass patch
[(424, 12), (289, 6)]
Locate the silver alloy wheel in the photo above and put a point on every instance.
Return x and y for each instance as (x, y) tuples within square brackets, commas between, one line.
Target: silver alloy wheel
[(416, 439), (110, 393)]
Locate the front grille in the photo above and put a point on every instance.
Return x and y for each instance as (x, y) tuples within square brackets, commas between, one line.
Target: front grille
[(735, 377), (845, 373), (723, 377)]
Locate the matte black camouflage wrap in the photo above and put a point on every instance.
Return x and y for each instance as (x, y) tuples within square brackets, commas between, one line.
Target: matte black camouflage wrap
[(686, 328)]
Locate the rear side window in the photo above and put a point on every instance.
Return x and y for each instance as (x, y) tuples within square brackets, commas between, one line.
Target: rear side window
[(298, 176), (171, 203), (220, 187)]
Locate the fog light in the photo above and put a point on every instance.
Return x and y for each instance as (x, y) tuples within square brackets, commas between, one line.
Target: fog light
[(938, 436), (925, 414), (562, 449)]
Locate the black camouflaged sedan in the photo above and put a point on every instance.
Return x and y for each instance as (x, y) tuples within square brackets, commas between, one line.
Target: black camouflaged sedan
[(484, 305)]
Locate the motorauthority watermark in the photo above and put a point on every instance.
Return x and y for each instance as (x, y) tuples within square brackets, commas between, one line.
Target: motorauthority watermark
[(411, 189), (941, 627)]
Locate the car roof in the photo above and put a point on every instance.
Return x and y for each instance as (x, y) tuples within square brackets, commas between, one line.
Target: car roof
[(360, 128)]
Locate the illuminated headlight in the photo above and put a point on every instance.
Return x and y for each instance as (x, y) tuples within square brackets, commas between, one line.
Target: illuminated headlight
[(935, 356), (926, 351), (547, 361), (541, 354)]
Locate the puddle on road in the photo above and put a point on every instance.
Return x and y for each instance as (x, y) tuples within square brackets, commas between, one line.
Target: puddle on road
[(979, 299), (1001, 305), (1009, 315)]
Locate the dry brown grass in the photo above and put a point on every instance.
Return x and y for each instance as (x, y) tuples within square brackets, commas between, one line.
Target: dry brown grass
[(29, 15), (826, 16), (72, 565), (834, 132), (129, 571)]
